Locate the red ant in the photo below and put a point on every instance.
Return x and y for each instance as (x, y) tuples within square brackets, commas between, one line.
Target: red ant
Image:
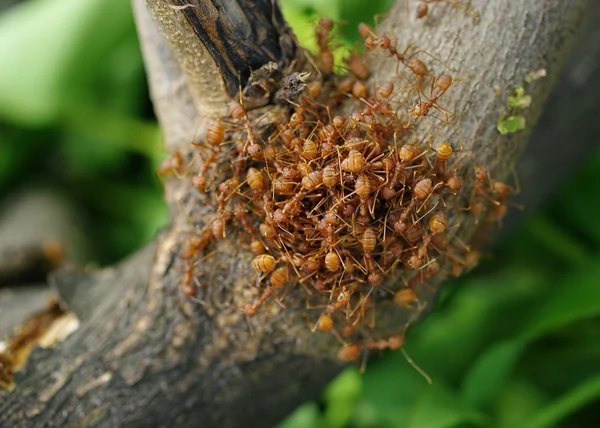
[(423, 9), (421, 108)]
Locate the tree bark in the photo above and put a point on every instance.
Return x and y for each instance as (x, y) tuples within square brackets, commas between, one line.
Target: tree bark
[(567, 133), (144, 354)]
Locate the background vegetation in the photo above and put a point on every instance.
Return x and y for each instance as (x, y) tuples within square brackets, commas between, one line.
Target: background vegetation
[(516, 343)]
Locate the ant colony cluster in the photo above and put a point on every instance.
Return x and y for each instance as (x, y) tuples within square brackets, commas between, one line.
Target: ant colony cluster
[(336, 203)]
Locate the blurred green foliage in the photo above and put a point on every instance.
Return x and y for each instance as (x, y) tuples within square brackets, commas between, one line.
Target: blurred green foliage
[(514, 344), (75, 116)]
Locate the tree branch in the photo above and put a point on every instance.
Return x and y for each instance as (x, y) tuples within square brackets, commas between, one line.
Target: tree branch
[(145, 354)]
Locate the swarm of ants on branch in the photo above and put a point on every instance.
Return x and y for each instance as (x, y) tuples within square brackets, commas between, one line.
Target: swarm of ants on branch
[(336, 204)]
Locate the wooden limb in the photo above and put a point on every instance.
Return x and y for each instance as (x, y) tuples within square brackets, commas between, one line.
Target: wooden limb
[(145, 355), (240, 36), (219, 43)]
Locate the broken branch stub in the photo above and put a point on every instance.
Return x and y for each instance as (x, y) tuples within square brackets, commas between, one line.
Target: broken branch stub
[(228, 39)]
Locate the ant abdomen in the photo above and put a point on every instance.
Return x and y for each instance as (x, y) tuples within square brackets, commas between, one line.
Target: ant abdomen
[(264, 263)]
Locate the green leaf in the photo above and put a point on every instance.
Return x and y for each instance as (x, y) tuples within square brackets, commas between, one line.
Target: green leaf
[(305, 416), (470, 324), (519, 99), (510, 124), (353, 12), (365, 416), (52, 46), (577, 207), (117, 130), (490, 372), (517, 401), (439, 407), (391, 387), (554, 412), (330, 8), (299, 18), (573, 299), (341, 397), (576, 298), (37, 48), (555, 239)]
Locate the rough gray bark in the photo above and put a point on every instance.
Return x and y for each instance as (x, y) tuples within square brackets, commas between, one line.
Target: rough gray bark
[(567, 133), (145, 355)]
